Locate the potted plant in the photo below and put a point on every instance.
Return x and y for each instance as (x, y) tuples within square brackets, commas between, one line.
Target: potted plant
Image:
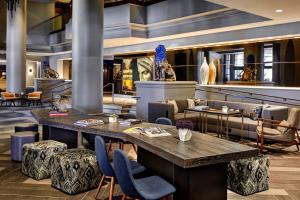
[(185, 128)]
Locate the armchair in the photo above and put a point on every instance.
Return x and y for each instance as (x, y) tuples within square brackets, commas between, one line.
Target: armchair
[(8, 97), (34, 97), (281, 132)]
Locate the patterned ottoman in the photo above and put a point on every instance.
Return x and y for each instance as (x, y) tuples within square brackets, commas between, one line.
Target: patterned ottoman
[(38, 156), (248, 176), (75, 171)]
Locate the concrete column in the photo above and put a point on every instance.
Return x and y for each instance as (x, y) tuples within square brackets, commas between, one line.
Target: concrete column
[(16, 49), (87, 47)]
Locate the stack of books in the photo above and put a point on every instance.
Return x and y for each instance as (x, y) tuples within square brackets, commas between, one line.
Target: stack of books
[(88, 122), (129, 122)]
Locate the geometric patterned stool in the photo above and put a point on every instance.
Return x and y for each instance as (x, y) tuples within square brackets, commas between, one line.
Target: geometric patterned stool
[(18, 140), (38, 156), (75, 170), (248, 176)]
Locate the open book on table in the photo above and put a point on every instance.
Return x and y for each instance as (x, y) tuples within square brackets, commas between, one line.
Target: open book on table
[(150, 131)]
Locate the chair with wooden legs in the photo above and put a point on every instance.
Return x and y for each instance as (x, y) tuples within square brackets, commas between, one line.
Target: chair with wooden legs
[(148, 188), (284, 132), (107, 169)]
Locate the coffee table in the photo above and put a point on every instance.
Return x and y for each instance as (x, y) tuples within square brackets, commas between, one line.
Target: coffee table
[(203, 118)]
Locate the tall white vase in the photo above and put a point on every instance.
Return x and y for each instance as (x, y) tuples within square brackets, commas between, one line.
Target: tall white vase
[(212, 73), (204, 72)]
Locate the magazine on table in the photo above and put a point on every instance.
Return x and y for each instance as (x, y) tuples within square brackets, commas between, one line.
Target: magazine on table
[(150, 131), (88, 122), (130, 122)]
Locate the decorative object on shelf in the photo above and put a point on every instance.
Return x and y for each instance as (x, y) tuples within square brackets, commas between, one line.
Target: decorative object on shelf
[(163, 71), (61, 104), (204, 72), (212, 73), (224, 109), (12, 6), (113, 118), (169, 72), (185, 128), (51, 73)]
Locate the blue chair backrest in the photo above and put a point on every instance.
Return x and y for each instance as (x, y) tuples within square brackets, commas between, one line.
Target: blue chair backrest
[(164, 121), (124, 174), (102, 157)]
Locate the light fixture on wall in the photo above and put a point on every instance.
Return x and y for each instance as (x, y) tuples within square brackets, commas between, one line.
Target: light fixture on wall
[(12, 6), (30, 71)]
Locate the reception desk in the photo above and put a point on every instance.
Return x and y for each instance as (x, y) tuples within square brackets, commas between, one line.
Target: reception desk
[(197, 168)]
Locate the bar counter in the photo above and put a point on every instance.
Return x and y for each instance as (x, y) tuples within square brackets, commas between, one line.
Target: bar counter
[(197, 168)]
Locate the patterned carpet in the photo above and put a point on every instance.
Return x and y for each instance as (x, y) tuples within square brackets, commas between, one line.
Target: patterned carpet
[(284, 172)]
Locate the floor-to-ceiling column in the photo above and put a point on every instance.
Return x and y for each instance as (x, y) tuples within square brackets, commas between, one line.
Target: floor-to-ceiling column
[(87, 46), (16, 48)]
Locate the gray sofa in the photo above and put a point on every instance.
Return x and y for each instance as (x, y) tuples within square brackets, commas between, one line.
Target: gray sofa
[(162, 109)]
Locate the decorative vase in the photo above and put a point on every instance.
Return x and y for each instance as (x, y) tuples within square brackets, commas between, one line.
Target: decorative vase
[(184, 134), (204, 72), (212, 73)]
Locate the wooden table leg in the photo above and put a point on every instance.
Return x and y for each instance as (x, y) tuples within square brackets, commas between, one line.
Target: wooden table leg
[(79, 140), (227, 127)]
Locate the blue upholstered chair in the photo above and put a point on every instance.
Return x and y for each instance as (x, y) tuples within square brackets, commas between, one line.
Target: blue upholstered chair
[(149, 188), (107, 168), (164, 121)]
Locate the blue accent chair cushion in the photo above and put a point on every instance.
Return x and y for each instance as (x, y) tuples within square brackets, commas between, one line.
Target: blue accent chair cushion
[(150, 188)]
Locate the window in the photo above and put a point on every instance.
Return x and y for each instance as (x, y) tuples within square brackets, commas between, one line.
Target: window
[(238, 64), (268, 63)]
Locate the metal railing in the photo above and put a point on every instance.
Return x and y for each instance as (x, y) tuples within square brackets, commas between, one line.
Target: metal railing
[(51, 25), (112, 91), (226, 95)]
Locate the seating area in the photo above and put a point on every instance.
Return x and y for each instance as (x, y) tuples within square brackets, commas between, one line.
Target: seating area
[(149, 100), (9, 99), (251, 114)]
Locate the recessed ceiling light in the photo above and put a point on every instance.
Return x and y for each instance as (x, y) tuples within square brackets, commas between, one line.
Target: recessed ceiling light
[(279, 10)]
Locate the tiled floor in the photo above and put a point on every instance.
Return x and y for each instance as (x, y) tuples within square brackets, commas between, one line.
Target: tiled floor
[(284, 173)]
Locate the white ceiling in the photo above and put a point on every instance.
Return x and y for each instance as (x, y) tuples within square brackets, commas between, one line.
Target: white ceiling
[(266, 8)]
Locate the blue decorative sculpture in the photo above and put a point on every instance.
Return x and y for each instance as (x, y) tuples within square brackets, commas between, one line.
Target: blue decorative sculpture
[(160, 60)]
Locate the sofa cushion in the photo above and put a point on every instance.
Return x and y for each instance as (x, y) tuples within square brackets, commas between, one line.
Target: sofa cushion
[(174, 104), (275, 135), (192, 116), (182, 104), (191, 103), (283, 123)]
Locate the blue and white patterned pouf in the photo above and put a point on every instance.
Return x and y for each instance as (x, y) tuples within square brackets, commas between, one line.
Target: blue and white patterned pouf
[(75, 171), (38, 157), (248, 176)]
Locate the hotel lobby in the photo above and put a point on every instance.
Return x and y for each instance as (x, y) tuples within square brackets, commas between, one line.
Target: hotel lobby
[(150, 99)]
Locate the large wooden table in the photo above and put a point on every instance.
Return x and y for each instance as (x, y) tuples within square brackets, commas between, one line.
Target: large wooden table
[(197, 168)]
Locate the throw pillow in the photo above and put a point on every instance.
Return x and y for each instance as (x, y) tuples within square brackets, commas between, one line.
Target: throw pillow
[(175, 105), (199, 102), (283, 129), (191, 103)]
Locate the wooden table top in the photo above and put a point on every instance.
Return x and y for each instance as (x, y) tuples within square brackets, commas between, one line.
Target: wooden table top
[(201, 150)]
